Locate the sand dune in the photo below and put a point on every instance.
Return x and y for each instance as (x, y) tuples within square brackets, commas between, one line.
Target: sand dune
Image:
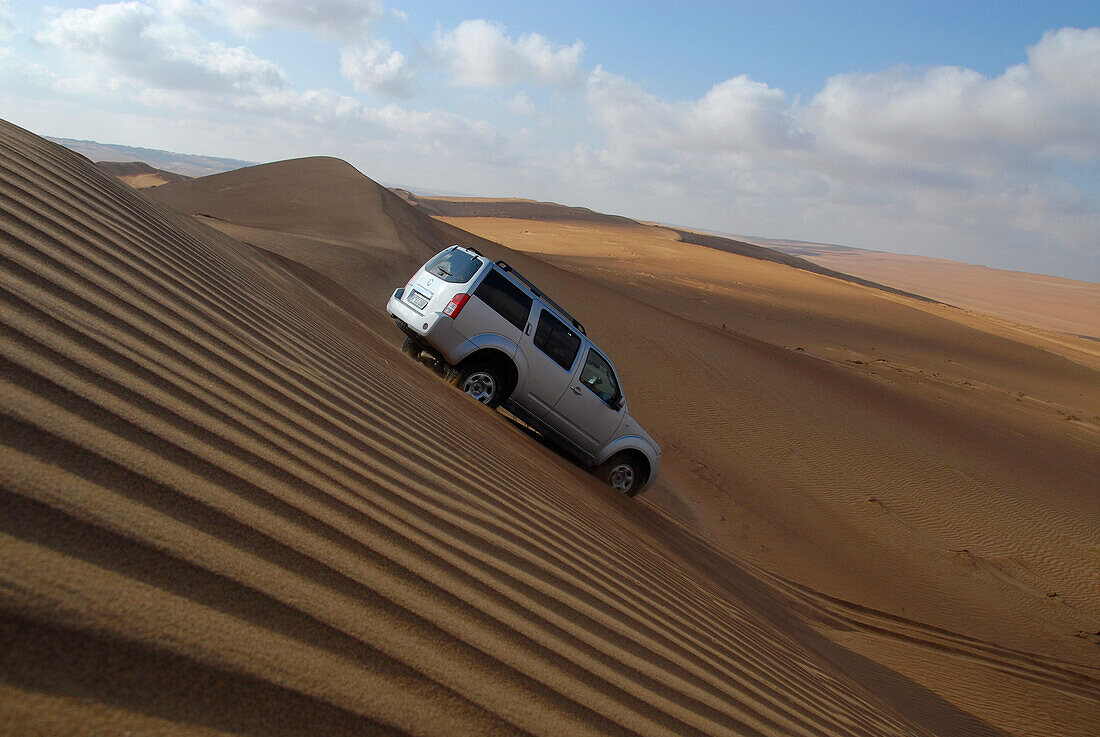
[(222, 494), (320, 213), (231, 504)]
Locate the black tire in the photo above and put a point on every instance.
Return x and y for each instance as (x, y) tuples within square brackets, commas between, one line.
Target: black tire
[(622, 472), (411, 348), (482, 381)]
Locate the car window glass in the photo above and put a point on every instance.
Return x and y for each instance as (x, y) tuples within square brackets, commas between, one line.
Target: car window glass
[(599, 378), (505, 297), (454, 266), (556, 340)]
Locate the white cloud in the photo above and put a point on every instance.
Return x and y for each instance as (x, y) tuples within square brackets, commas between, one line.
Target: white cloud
[(737, 117), (741, 113), (373, 67), (521, 105), (146, 54), (622, 107), (479, 53), (942, 159), (349, 20), (943, 124), (186, 10), (1034, 114), (1068, 62), (132, 41), (442, 131), (7, 21), (369, 63)]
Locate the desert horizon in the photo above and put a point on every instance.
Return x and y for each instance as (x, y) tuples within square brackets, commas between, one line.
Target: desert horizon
[(232, 505), (1072, 306)]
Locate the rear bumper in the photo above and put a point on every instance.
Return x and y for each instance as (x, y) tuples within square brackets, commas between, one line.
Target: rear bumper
[(434, 328), (419, 323)]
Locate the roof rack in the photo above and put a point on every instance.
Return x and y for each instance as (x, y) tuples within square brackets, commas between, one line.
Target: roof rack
[(538, 292)]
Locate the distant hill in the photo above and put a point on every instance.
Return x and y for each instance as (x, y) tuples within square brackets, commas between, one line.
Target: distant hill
[(140, 175), (187, 164)]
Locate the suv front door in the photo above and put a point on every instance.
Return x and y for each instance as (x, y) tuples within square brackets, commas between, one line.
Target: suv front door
[(550, 347), (591, 407)]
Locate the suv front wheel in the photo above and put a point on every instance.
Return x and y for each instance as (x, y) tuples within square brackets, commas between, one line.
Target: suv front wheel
[(623, 472), (483, 382)]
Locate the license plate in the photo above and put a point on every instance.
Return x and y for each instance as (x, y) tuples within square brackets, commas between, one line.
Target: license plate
[(418, 300)]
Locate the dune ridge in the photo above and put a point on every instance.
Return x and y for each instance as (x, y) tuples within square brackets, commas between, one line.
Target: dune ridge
[(213, 473)]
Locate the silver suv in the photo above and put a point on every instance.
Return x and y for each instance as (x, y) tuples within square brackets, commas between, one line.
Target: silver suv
[(505, 342)]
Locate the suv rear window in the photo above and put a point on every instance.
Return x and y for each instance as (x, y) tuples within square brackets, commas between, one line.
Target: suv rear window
[(554, 339), (454, 266), (505, 297)]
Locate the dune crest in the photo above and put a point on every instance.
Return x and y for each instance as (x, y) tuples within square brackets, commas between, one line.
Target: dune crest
[(319, 212)]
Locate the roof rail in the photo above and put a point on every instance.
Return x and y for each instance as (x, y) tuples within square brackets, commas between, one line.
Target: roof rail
[(539, 293)]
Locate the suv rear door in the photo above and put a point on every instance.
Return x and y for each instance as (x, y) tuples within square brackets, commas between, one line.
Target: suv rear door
[(551, 348), (500, 307), (591, 408)]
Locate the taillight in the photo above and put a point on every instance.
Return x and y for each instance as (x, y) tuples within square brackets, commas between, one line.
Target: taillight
[(455, 305)]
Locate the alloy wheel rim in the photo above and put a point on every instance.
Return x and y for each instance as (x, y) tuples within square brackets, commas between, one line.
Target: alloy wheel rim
[(481, 386), (622, 477)]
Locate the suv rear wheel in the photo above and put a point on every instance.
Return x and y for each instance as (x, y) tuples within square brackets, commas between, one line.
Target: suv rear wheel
[(484, 382), (411, 348), (623, 473)]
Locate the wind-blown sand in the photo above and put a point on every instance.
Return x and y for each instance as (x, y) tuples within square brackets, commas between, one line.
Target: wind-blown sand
[(232, 505)]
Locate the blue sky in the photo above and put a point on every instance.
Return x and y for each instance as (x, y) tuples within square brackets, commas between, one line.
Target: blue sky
[(954, 129), (679, 50)]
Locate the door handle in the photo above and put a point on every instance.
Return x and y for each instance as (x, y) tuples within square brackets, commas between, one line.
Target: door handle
[(577, 390), (527, 330)]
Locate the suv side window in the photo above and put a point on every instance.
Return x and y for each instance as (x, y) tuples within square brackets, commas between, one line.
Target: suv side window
[(554, 339), (599, 378), (505, 298)]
